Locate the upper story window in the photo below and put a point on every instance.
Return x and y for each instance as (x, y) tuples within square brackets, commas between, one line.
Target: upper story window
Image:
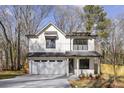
[(50, 43), (80, 44)]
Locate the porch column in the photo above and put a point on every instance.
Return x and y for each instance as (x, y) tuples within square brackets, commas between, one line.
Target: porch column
[(97, 61), (77, 71), (99, 66), (30, 66), (67, 67)]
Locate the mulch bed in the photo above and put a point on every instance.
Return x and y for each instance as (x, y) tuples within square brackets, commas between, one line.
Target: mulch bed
[(96, 83)]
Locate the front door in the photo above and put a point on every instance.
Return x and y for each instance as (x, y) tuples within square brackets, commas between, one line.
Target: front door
[(71, 66)]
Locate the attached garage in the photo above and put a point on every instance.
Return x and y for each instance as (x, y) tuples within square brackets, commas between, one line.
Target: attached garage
[(49, 67)]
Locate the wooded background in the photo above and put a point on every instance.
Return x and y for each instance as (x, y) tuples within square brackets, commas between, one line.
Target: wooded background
[(18, 21)]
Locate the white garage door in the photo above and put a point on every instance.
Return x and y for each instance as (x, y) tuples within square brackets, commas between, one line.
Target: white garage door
[(48, 67)]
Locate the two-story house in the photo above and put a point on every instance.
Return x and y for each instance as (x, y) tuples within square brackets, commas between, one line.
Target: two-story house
[(52, 51)]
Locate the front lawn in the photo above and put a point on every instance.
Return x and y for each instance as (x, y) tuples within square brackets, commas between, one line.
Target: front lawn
[(96, 83), (10, 74)]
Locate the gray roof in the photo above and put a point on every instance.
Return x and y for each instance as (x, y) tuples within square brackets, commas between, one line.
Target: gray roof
[(83, 54), (46, 54), (66, 54)]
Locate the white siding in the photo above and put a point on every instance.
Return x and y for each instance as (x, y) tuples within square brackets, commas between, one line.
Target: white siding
[(39, 44), (62, 43), (91, 45)]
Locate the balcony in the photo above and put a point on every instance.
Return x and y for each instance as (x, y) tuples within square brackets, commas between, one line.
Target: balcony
[(80, 47)]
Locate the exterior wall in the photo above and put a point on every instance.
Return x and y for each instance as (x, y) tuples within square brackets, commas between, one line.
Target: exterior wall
[(62, 43), (39, 44), (85, 71), (91, 46), (56, 67)]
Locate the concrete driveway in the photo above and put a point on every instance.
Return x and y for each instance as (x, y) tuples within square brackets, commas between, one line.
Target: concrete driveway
[(36, 81)]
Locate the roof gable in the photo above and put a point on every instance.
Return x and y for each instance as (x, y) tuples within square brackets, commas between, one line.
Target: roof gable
[(67, 35), (52, 26)]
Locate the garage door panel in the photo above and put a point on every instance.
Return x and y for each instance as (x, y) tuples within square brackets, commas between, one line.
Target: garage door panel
[(43, 69), (34, 67), (48, 67)]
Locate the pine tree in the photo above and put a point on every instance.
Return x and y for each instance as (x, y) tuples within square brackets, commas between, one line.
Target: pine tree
[(95, 15)]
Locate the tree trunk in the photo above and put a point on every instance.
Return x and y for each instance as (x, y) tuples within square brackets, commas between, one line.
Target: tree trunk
[(9, 45), (7, 59), (18, 57), (11, 57)]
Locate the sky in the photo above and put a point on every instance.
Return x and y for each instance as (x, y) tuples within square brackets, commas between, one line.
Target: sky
[(113, 10)]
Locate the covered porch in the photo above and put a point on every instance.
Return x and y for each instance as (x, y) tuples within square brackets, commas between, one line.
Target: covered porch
[(83, 63)]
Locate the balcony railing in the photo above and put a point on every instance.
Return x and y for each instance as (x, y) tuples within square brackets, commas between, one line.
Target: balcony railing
[(80, 47)]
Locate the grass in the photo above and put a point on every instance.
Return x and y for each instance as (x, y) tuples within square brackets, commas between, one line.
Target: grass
[(96, 83), (10, 74)]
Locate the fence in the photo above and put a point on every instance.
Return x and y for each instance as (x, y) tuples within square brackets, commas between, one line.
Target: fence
[(108, 69)]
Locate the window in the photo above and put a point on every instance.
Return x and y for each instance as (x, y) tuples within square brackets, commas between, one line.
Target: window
[(43, 60), (51, 60), (84, 64), (80, 44), (80, 41), (59, 60), (36, 60), (50, 43)]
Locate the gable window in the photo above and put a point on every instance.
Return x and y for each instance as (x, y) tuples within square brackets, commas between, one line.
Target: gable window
[(84, 64), (50, 43), (80, 44)]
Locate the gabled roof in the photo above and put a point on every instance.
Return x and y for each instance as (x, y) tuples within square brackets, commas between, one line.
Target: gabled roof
[(48, 25), (43, 29), (70, 34)]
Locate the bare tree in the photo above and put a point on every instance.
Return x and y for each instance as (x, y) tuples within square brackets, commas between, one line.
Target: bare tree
[(16, 22), (68, 18), (114, 47)]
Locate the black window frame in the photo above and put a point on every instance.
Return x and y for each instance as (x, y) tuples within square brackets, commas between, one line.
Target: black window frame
[(59, 60), (44, 60), (80, 42), (51, 60), (84, 64), (36, 60)]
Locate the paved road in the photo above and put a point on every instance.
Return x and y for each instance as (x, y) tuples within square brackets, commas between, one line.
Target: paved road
[(35, 81)]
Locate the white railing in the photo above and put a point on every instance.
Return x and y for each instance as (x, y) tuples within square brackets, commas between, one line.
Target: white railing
[(80, 47)]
